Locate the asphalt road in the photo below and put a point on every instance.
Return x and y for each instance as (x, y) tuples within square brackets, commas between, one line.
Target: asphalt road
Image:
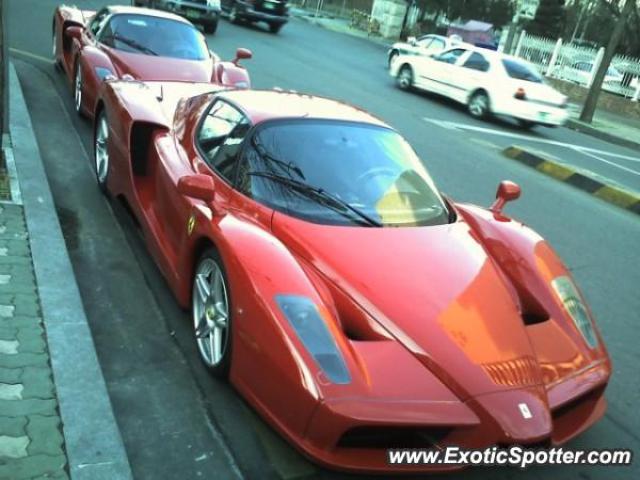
[(177, 421)]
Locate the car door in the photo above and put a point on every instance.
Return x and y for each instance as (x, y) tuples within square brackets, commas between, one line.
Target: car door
[(218, 141), (435, 72), (472, 72)]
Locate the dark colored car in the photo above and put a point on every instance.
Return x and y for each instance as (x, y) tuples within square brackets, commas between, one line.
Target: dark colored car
[(275, 13), (203, 12)]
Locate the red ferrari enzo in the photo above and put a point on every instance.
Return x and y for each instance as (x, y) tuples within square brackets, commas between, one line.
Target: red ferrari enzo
[(137, 43), (350, 302)]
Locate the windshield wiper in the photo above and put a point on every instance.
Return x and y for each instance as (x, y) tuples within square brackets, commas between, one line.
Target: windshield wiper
[(319, 194), (287, 166), (131, 43)]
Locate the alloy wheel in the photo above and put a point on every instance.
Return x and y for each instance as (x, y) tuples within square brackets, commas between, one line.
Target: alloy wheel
[(77, 90), (405, 78), (101, 150), (479, 105), (210, 311)]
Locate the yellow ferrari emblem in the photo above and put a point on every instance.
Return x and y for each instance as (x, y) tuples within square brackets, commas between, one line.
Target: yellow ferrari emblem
[(191, 224)]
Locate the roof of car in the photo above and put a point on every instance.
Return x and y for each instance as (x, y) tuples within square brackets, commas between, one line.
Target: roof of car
[(149, 12), (263, 105)]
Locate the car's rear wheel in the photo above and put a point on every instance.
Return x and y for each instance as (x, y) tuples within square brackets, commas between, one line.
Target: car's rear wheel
[(101, 150), (77, 89), (211, 313), (404, 79), (211, 27), (526, 124), (275, 27), (479, 105)]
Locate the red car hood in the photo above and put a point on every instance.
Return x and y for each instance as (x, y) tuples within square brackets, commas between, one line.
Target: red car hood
[(435, 290), (148, 67)]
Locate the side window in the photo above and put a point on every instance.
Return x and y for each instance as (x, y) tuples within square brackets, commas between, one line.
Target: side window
[(98, 21), (476, 62), (424, 42), (220, 137), (450, 56), (436, 45)]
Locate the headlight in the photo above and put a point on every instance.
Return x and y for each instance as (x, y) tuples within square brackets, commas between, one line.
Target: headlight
[(213, 3), (304, 317), (103, 73), (573, 304)]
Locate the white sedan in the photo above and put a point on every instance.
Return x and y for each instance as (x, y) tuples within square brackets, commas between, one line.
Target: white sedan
[(487, 82)]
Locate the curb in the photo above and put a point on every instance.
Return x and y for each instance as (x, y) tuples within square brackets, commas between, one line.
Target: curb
[(93, 443), (582, 127), (581, 179)]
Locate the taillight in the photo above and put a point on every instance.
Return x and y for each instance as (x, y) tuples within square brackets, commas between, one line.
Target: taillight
[(520, 94)]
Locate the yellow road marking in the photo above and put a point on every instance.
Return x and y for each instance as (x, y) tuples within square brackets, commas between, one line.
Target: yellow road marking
[(616, 196), (30, 55), (555, 170)]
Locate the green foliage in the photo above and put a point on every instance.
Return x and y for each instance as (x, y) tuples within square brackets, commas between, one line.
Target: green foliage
[(496, 12), (549, 20)]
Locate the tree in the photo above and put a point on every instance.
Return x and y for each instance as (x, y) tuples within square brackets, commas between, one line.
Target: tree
[(594, 91), (549, 20)]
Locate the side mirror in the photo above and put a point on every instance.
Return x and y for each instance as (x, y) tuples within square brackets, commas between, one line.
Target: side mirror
[(242, 54), (198, 186), (73, 32), (507, 191), (412, 40)]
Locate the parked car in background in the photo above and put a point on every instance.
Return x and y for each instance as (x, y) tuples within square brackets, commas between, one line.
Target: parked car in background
[(275, 13), (203, 12), (580, 72), (488, 82), (424, 45), (137, 44)]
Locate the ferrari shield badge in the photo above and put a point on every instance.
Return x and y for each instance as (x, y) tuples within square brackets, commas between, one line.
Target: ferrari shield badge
[(524, 410), (191, 224)]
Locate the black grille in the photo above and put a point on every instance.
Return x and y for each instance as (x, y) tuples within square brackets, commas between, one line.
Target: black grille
[(393, 437)]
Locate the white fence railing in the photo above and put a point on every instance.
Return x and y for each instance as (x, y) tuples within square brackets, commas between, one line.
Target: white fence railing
[(579, 64)]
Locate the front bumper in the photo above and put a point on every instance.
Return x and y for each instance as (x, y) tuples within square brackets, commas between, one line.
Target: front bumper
[(256, 16), (563, 411), (196, 12)]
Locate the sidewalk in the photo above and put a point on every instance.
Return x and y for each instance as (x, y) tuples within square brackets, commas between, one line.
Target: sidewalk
[(56, 419), (31, 443), (339, 25)]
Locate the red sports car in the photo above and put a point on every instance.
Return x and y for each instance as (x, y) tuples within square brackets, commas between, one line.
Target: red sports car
[(349, 301), (138, 43)]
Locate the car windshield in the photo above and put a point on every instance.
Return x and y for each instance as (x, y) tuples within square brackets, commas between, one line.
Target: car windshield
[(340, 173), (154, 36), (521, 71)]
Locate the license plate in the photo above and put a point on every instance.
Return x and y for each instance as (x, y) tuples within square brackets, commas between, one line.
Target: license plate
[(193, 14)]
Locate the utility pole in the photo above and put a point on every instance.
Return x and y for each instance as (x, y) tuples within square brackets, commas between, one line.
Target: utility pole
[(594, 91)]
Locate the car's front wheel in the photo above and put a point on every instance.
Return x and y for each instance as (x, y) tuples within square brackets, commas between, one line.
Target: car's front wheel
[(101, 150), (211, 313), (404, 79), (526, 124), (479, 105), (211, 27), (275, 27), (77, 89)]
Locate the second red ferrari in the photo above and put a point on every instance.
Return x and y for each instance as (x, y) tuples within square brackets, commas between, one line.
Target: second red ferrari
[(135, 43)]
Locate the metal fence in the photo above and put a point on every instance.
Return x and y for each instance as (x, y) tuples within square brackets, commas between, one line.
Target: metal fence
[(578, 64), (337, 8)]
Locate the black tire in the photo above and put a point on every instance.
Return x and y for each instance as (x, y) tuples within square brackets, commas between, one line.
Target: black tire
[(479, 105), (392, 56), (221, 368), (210, 27), (526, 124), (275, 27), (404, 78)]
